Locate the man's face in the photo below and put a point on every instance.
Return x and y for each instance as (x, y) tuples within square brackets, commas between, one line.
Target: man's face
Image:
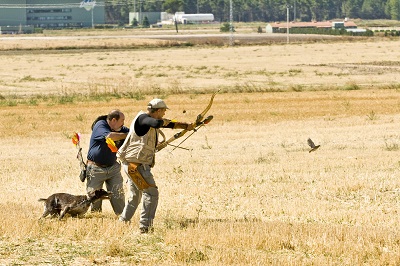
[(116, 125), (159, 114)]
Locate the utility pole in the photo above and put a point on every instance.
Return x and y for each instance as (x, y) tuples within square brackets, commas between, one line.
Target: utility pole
[(294, 11), (89, 6), (231, 23), (140, 12), (287, 23), (92, 18), (398, 10)]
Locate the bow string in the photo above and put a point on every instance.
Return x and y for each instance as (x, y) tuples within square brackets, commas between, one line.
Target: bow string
[(200, 121)]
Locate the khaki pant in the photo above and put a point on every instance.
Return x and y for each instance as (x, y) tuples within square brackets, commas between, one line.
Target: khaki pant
[(112, 178), (149, 197)]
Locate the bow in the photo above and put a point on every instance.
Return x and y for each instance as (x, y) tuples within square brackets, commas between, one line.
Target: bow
[(200, 121)]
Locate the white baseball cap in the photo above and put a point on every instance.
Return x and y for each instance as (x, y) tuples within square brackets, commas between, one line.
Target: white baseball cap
[(157, 104)]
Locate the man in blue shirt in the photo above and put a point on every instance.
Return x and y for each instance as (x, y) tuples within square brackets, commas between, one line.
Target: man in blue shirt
[(102, 165)]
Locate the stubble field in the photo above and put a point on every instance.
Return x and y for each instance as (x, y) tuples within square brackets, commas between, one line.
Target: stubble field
[(248, 192)]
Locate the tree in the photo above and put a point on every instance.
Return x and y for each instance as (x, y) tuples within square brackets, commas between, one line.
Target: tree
[(275, 10), (117, 12), (220, 9), (352, 8), (173, 6), (393, 9), (135, 22), (152, 6), (190, 6), (371, 9), (260, 10), (146, 23)]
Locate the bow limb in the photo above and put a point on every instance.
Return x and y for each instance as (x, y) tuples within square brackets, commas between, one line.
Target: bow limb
[(195, 124), (199, 125), (202, 114), (164, 144)]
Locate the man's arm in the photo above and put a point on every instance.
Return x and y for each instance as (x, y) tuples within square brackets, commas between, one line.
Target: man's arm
[(115, 136), (148, 121), (119, 135), (182, 125)]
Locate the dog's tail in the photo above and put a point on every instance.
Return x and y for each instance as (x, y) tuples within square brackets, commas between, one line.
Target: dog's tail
[(42, 199)]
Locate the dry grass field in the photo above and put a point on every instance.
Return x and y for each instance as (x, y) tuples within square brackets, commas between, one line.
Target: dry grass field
[(125, 65), (248, 192)]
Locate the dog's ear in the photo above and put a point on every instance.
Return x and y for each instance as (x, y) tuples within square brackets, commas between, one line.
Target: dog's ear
[(100, 192), (103, 194)]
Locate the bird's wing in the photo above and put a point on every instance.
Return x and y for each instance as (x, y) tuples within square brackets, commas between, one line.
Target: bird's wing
[(311, 143)]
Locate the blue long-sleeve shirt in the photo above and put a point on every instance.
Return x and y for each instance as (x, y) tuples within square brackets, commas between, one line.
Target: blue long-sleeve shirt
[(98, 149)]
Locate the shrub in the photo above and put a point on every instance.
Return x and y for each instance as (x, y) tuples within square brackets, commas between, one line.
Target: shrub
[(146, 23), (135, 22), (226, 27)]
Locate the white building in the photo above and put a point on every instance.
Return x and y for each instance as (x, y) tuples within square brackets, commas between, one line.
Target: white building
[(183, 18)]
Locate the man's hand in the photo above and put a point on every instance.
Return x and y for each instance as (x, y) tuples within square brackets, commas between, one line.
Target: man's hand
[(190, 127)]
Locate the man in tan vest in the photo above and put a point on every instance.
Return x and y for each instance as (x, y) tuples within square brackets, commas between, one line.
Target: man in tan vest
[(137, 157)]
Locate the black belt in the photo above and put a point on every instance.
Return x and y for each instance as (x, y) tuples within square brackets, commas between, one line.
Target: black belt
[(97, 164)]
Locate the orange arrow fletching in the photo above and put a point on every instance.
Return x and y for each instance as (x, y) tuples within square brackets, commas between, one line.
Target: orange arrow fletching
[(76, 138), (111, 145)]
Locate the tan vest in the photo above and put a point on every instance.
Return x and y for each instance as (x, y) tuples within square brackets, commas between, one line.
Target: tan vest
[(136, 149)]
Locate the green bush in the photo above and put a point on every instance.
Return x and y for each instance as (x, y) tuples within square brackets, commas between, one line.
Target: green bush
[(323, 31), (135, 22), (226, 27), (146, 23)]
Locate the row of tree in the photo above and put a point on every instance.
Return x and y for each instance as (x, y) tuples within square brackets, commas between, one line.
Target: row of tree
[(117, 11)]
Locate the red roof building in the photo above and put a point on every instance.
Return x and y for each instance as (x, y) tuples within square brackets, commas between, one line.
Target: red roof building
[(315, 24)]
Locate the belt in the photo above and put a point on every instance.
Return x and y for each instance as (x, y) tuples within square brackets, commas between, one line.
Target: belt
[(97, 164)]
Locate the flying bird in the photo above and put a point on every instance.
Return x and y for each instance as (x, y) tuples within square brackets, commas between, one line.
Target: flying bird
[(312, 145)]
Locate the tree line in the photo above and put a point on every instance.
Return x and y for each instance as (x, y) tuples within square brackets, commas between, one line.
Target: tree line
[(117, 11)]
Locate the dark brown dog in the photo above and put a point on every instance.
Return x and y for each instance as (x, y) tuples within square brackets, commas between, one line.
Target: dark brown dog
[(63, 203)]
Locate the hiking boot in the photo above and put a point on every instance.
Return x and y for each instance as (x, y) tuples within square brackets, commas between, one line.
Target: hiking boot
[(146, 230), (123, 220)]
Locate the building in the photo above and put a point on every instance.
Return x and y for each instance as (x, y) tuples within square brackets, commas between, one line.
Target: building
[(153, 17), (276, 27), (51, 14), (183, 18), (166, 18)]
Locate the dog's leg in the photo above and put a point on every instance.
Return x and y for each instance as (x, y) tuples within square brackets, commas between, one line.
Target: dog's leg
[(63, 212), (45, 213)]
